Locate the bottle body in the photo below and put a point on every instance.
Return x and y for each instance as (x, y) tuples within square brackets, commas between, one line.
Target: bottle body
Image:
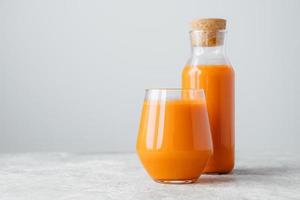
[(218, 84), (209, 69)]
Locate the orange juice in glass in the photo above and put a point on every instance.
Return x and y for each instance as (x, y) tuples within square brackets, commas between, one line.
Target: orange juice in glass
[(174, 140)]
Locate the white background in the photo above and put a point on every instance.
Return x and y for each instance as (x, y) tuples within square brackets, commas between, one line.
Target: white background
[(73, 73)]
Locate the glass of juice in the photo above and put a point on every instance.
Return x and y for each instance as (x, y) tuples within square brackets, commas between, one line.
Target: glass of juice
[(174, 140)]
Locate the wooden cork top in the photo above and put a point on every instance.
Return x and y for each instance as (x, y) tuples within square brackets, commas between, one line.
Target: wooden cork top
[(208, 24), (207, 32)]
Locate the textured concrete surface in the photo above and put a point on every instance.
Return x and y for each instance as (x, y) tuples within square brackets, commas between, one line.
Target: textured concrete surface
[(63, 176)]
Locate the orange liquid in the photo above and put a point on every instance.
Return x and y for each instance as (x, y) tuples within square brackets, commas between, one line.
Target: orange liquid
[(174, 141), (218, 84)]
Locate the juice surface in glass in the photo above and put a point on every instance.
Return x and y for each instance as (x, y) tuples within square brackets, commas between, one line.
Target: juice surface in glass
[(174, 141), (218, 84)]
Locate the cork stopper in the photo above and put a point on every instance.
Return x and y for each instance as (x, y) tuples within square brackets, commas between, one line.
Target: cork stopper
[(208, 32), (211, 24)]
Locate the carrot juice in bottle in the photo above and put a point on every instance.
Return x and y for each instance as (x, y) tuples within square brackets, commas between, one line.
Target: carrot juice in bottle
[(210, 69)]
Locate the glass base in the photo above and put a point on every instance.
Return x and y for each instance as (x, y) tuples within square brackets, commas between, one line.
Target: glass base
[(186, 181)]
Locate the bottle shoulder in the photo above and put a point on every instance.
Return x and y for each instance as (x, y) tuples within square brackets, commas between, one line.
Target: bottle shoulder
[(213, 61), (199, 66)]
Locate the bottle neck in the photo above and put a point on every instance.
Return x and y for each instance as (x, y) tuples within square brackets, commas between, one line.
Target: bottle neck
[(208, 47), (214, 51)]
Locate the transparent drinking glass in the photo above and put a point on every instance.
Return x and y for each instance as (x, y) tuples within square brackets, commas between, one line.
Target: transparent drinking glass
[(174, 140)]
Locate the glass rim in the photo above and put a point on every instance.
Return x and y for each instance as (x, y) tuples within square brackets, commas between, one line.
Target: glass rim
[(174, 89)]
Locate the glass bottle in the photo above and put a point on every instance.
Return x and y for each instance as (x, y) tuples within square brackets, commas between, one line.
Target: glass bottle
[(210, 69)]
